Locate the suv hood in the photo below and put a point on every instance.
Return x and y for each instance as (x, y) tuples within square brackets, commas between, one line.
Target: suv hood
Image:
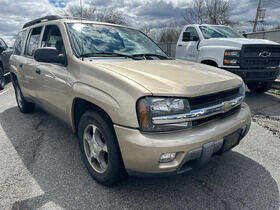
[(175, 77), (234, 42)]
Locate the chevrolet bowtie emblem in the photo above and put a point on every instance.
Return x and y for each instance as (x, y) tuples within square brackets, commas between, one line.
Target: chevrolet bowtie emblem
[(226, 107), (265, 54)]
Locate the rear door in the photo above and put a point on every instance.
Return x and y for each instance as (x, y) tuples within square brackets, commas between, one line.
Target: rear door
[(53, 90), (187, 50), (28, 64)]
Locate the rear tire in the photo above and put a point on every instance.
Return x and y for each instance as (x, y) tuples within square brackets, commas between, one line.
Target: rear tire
[(259, 87), (2, 79), (23, 105), (99, 148)]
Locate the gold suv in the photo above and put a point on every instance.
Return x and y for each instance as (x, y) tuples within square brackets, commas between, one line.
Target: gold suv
[(133, 108)]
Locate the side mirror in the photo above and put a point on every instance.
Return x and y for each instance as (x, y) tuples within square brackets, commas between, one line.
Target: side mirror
[(186, 36), (245, 35), (49, 55)]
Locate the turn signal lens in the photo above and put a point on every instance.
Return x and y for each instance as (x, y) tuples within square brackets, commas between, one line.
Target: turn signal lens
[(143, 114)]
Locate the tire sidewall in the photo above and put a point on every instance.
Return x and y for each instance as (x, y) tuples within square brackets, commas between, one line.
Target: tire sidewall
[(259, 88), (113, 170), (27, 107)]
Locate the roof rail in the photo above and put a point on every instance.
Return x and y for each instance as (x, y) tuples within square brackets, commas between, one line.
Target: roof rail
[(42, 19)]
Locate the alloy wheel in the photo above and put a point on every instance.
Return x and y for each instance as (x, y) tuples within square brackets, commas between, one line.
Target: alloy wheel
[(95, 148)]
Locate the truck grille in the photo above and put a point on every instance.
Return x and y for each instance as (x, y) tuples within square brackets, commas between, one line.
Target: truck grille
[(260, 56), (214, 99)]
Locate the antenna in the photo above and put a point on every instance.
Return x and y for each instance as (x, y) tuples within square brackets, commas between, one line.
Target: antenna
[(81, 5)]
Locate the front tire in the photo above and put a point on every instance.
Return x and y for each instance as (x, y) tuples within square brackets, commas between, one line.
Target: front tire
[(23, 105), (259, 87), (2, 79), (99, 148)]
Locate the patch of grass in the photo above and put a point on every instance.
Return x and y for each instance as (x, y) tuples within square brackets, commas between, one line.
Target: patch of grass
[(277, 92)]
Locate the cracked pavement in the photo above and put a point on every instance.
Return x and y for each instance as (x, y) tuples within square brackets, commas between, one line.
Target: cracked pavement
[(41, 168)]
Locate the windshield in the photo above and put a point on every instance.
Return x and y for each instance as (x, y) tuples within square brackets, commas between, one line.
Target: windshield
[(103, 40), (219, 32)]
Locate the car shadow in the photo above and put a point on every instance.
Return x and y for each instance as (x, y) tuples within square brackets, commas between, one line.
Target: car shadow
[(50, 152)]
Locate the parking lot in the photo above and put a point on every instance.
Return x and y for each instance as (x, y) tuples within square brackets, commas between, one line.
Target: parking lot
[(41, 167)]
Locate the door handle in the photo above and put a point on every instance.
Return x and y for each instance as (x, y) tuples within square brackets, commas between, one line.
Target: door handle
[(179, 45), (38, 71), (20, 65)]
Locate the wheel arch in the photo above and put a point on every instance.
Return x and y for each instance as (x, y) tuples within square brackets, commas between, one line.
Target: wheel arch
[(210, 62), (80, 106)]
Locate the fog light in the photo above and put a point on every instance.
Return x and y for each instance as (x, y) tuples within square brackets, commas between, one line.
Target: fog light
[(167, 157)]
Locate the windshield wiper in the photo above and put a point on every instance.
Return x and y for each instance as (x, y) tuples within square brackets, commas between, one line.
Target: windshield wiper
[(86, 55), (150, 55)]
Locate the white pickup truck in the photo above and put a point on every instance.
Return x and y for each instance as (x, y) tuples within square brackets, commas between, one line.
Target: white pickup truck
[(255, 60)]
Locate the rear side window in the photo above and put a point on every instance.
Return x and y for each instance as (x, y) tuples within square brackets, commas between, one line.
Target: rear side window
[(33, 41), (19, 42)]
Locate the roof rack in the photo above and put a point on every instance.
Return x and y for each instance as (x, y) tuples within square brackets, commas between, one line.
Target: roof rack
[(42, 19)]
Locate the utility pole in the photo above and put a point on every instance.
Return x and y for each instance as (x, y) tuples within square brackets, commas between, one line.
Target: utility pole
[(257, 16)]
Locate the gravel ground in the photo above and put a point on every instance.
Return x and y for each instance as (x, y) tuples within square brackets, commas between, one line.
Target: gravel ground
[(41, 168)]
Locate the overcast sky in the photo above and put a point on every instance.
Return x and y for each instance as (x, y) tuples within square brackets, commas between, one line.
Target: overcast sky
[(14, 13)]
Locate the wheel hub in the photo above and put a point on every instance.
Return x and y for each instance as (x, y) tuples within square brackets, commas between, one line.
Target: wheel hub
[(95, 148)]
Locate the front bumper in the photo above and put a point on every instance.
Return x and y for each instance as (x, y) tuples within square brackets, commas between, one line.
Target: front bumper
[(141, 151), (256, 75)]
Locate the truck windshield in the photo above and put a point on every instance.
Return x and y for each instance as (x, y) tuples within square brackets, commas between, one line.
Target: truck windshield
[(97, 40), (219, 32)]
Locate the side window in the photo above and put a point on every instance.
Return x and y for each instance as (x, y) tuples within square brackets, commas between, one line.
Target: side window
[(19, 42), (2, 43), (33, 41), (52, 38), (193, 33)]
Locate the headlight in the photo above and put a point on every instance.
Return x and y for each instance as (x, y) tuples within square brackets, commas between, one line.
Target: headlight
[(153, 110), (242, 90), (231, 57)]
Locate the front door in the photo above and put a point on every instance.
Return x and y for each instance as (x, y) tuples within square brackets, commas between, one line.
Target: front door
[(188, 50), (54, 89)]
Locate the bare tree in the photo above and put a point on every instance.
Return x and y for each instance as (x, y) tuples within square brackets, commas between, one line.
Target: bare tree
[(218, 12), (92, 13), (169, 34), (209, 11), (110, 16), (146, 29), (196, 12), (149, 31)]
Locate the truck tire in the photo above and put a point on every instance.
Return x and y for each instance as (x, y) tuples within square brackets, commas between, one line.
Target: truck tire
[(23, 105), (99, 148), (259, 87), (2, 79)]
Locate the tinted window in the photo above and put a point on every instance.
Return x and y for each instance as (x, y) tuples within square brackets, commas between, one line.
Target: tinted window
[(52, 38), (19, 42), (193, 32), (33, 41)]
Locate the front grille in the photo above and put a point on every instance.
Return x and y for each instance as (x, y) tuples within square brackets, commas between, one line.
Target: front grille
[(217, 116), (213, 99), (250, 56)]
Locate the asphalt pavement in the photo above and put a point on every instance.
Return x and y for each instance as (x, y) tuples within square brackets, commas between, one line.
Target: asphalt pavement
[(41, 167)]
